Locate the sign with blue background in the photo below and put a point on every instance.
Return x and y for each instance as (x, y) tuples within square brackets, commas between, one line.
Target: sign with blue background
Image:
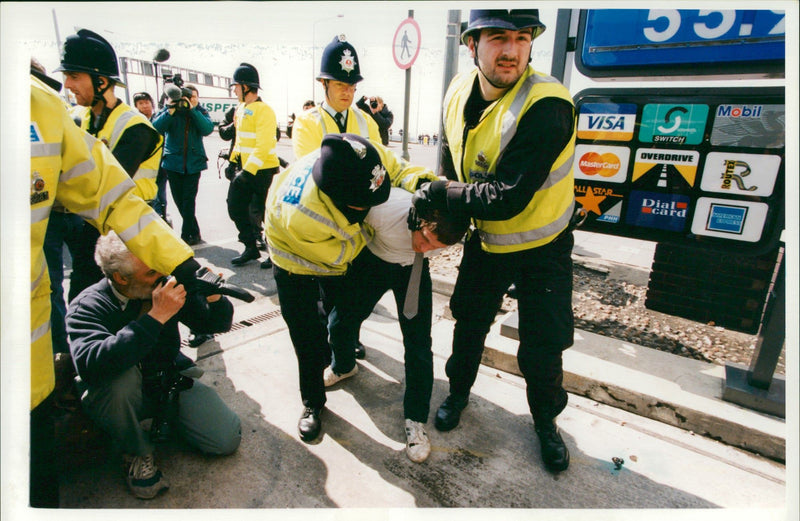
[(630, 42)]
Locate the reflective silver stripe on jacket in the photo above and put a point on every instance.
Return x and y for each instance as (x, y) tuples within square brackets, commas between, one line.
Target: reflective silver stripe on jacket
[(132, 231), (45, 149), (509, 124), (108, 198), (317, 114), (40, 214), (509, 239), (40, 331), (559, 173), (300, 261), (363, 129), (84, 167), (38, 280), (119, 127), (145, 173), (248, 135), (326, 222)]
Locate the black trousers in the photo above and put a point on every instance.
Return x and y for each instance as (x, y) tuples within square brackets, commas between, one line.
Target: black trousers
[(543, 277), (247, 195), (184, 192), (43, 488), (366, 281), (299, 296)]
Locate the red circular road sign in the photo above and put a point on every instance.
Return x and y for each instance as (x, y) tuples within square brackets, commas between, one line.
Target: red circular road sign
[(406, 43)]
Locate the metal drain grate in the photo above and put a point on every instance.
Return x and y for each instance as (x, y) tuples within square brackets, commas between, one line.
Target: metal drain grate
[(258, 319)]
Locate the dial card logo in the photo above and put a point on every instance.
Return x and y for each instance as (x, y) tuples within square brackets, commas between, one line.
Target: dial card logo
[(656, 210)]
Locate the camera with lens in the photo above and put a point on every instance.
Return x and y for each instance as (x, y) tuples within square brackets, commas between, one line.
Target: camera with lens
[(373, 104), (175, 91), (165, 387)]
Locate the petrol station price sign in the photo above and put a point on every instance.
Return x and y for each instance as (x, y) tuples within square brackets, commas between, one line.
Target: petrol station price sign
[(682, 165), (680, 42)]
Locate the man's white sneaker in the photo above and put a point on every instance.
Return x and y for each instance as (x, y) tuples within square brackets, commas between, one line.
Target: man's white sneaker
[(144, 478), (418, 446), (331, 378)]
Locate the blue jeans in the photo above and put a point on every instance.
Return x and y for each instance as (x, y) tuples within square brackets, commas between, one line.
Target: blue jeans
[(62, 228), (366, 281)]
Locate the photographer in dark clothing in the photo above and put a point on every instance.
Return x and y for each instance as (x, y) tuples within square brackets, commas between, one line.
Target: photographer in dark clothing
[(375, 107), (124, 335)]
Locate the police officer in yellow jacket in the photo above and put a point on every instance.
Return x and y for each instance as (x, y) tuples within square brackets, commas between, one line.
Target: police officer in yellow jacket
[(339, 73), (255, 156), (314, 230), (509, 137), (72, 168), (91, 73)]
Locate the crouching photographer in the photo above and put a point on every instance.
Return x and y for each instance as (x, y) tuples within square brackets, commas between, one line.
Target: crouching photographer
[(125, 345)]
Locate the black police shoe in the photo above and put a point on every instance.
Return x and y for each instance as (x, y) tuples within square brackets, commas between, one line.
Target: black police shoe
[(261, 244), (309, 424), (198, 339), (266, 264), (361, 351), (249, 253), (449, 413), (554, 452)]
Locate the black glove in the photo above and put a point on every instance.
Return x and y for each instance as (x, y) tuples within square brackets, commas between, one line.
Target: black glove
[(231, 170), (430, 197)]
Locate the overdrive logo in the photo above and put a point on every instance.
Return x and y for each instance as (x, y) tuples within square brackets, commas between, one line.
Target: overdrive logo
[(656, 210)]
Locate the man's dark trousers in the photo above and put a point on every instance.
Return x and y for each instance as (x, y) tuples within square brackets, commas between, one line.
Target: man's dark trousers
[(366, 281), (543, 277), (184, 192)]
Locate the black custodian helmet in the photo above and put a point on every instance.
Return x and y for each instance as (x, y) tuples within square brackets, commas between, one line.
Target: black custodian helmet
[(513, 20), (350, 172), (340, 62), (246, 74), (89, 52)]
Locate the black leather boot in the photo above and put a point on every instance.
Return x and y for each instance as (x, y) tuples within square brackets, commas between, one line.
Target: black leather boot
[(249, 253), (554, 452), (449, 413), (309, 425)]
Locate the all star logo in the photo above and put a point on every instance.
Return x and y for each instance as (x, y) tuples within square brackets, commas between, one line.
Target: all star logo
[(378, 175), (348, 63)]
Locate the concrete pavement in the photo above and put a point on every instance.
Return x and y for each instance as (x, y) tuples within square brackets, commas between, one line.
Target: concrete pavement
[(490, 461)]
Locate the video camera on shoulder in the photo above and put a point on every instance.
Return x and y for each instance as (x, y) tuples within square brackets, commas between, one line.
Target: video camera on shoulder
[(175, 91)]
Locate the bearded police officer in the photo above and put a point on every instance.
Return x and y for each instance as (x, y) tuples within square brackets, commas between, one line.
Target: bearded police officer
[(255, 159), (91, 72), (339, 73), (314, 230), (509, 137)]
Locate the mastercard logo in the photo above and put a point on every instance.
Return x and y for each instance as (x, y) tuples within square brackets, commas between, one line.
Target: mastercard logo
[(604, 165)]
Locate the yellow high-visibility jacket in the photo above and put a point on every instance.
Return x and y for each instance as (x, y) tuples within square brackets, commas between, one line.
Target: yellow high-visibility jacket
[(79, 172), (121, 118), (256, 145), (476, 153), (307, 234), (312, 125)]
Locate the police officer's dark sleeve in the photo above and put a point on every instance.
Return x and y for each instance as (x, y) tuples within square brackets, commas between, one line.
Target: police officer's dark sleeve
[(446, 168), (541, 135), (137, 144)]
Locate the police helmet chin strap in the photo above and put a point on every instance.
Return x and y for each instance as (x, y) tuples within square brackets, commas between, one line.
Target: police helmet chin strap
[(99, 90)]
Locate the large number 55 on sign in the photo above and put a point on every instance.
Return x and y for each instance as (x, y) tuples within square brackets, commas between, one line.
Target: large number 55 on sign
[(693, 42)]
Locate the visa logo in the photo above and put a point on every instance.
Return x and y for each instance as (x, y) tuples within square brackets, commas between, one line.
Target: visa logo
[(606, 122), (610, 127)]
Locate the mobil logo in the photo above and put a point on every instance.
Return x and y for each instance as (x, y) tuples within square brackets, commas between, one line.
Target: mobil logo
[(739, 111), (608, 164), (606, 121)]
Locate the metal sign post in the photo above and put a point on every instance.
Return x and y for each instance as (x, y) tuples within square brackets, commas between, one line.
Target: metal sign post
[(405, 49)]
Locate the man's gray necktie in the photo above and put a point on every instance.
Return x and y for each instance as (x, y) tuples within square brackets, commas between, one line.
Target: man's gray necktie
[(411, 304), (340, 121)]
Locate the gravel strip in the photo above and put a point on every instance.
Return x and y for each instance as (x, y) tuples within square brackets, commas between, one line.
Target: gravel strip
[(615, 308)]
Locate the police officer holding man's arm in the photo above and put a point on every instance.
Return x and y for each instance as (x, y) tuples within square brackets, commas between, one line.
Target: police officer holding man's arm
[(515, 181)]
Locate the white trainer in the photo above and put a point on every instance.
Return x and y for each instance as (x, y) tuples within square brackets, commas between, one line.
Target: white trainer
[(418, 446), (330, 378)]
